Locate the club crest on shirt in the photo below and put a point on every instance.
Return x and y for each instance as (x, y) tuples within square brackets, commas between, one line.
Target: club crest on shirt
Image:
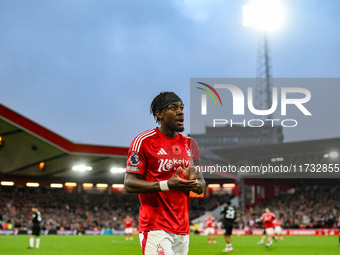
[(134, 159), (160, 250), (188, 150)]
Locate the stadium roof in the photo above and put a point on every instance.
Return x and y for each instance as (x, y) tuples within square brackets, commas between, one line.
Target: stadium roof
[(267, 152), (318, 154), (25, 144)]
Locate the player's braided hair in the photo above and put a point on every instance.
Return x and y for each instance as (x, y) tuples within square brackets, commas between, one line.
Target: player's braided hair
[(162, 101)]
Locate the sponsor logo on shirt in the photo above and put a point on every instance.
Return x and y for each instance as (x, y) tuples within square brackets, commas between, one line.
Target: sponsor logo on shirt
[(168, 164)]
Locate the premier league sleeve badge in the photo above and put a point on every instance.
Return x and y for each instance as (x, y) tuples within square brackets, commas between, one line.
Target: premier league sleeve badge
[(134, 159)]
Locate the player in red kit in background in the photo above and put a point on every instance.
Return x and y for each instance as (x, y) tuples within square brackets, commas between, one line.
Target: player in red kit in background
[(268, 217), (209, 225), (128, 228), (160, 169), (278, 229)]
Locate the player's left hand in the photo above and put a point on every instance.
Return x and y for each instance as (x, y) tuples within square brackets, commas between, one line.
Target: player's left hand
[(190, 172), (178, 183)]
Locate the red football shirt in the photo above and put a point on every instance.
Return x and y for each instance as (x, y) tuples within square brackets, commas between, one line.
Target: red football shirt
[(128, 223), (157, 157), (268, 219), (209, 222), (277, 223)]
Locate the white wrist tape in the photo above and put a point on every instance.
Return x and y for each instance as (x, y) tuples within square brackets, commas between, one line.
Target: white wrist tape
[(163, 185)]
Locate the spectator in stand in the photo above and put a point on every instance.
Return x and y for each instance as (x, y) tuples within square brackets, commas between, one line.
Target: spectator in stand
[(311, 206), (6, 225)]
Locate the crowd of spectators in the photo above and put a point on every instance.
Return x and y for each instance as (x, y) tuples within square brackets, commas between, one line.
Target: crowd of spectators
[(305, 206), (64, 211)]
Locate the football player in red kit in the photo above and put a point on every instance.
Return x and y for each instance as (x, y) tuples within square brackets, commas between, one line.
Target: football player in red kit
[(160, 169), (278, 229), (209, 225), (268, 217), (128, 228)]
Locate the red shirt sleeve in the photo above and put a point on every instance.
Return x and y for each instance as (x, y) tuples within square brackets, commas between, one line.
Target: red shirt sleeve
[(195, 152), (136, 162)]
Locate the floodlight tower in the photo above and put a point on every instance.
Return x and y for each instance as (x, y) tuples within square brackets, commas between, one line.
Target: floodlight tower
[(266, 16)]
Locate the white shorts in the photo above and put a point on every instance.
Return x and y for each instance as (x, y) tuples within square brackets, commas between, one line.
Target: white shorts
[(128, 231), (278, 230), (163, 243), (270, 231), (209, 231)]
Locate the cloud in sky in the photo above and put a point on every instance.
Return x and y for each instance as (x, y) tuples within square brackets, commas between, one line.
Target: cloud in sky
[(88, 70)]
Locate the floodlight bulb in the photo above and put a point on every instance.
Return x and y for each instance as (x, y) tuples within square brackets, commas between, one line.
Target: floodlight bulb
[(267, 15), (333, 154), (117, 170), (81, 168)]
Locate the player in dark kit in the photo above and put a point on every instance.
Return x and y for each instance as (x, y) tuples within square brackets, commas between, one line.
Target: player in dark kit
[(160, 169), (36, 220), (229, 215)]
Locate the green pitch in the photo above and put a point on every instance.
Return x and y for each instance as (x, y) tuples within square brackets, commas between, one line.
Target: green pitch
[(109, 245)]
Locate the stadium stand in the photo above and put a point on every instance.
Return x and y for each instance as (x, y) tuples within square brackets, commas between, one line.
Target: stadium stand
[(304, 206), (309, 204), (67, 211)]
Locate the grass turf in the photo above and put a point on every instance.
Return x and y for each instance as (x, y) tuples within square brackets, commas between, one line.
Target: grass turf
[(89, 245)]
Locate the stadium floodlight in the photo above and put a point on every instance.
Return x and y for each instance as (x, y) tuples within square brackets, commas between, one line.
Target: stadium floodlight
[(118, 186), (229, 185), (81, 168), (87, 185), (32, 184), (276, 159), (334, 154), (267, 15), (7, 183), (70, 184), (56, 185), (116, 170), (102, 185), (214, 186)]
